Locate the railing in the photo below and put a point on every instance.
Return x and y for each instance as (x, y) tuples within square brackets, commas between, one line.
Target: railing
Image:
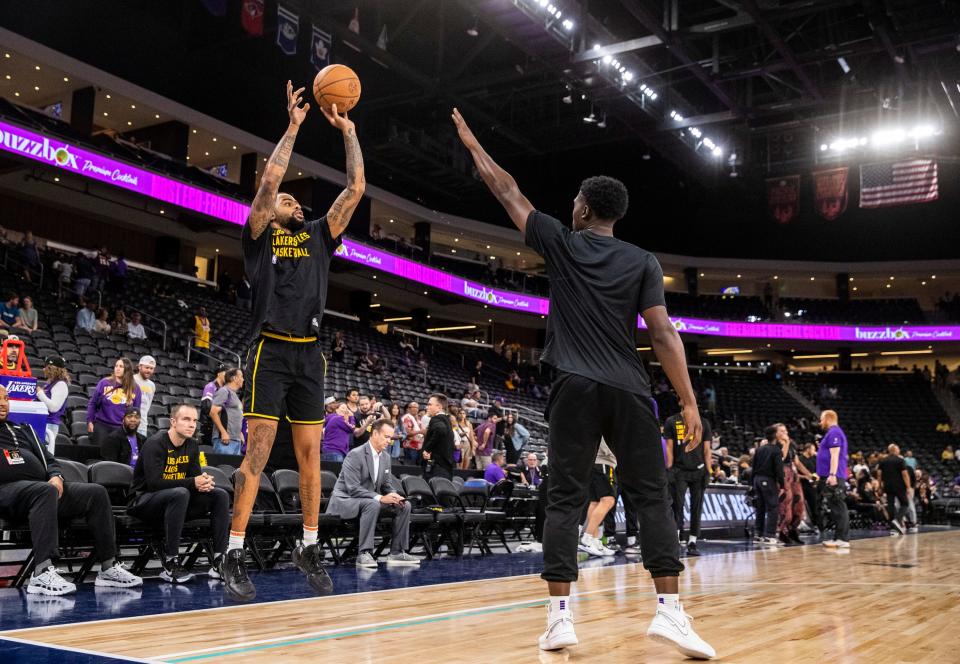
[(191, 348), (8, 258), (162, 322)]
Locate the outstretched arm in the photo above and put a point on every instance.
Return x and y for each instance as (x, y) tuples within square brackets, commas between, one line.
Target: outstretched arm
[(338, 216), (500, 183), (261, 212)]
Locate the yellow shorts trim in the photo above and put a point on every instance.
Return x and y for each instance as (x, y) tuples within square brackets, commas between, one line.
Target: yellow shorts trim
[(304, 421), (266, 417), (284, 337), (253, 379)]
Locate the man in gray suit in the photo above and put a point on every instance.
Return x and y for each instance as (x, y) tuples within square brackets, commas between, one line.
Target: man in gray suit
[(364, 488)]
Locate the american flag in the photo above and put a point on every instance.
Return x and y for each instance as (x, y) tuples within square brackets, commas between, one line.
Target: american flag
[(898, 183)]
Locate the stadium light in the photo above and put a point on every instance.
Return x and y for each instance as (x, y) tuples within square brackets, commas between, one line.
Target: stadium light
[(717, 152), (567, 24)]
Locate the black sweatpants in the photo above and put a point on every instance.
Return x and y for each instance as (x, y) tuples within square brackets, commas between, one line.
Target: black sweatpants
[(37, 502), (892, 497), (632, 521), (768, 505), (696, 481), (833, 504), (813, 505), (580, 411), (174, 506)]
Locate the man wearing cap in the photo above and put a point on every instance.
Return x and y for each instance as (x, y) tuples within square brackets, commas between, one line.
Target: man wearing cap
[(53, 394), (147, 389), (123, 445), (226, 411)]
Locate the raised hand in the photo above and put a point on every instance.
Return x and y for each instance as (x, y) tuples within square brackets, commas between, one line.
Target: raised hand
[(341, 122), (296, 112), (463, 129)]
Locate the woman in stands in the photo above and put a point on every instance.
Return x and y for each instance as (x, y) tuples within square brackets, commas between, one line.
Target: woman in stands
[(53, 395), (110, 400), (399, 433), (515, 436), (469, 448), (27, 319), (338, 347), (102, 324), (119, 324)]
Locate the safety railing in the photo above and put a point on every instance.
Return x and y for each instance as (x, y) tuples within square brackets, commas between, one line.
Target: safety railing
[(193, 349), (162, 332)]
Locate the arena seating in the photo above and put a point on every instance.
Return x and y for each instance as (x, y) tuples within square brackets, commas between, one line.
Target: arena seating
[(895, 311)]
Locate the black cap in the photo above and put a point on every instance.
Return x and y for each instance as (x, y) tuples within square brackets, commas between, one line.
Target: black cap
[(131, 410), (56, 361)]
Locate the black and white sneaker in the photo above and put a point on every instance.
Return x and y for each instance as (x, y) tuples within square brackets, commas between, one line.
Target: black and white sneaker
[(173, 572), (233, 571), (692, 549), (308, 560), (900, 529), (214, 571), (49, 582)]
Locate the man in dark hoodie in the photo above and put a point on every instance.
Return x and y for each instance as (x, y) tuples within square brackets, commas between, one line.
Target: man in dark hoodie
[(170, 486), (32, 488)]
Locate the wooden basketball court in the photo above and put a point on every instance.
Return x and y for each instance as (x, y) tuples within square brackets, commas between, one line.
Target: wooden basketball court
[(886, 600)]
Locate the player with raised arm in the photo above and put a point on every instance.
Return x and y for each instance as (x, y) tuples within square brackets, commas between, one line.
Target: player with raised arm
[(287, 261), (598, 284)]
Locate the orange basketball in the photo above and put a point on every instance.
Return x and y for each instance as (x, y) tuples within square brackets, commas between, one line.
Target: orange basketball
[(337, 84)]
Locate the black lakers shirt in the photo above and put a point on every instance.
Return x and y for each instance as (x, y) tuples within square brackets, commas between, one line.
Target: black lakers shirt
[(163, 465), (675, 429), (288, 273)]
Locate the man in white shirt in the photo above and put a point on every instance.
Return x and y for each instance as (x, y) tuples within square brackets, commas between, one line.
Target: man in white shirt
[(147, 389), (364, 489), (135, 327)]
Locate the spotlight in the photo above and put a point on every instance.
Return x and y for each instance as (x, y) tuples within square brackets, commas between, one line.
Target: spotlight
[(628, 76), (717, 152), (567, 24)]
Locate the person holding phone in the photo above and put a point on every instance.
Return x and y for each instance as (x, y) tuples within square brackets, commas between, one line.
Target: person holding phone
[(365, 489)]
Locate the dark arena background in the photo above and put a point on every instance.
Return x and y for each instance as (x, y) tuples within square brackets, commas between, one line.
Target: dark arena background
[(792, 165)]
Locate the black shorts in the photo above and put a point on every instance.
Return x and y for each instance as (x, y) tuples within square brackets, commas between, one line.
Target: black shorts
[(284, 377), (602, 483)]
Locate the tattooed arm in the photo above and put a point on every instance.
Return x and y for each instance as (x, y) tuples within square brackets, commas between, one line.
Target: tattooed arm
[(342, 209), (261, 212)]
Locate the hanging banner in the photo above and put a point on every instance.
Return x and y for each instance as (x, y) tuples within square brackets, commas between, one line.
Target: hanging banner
[(320, 48), (288, 27), (251, 17), (783, 198), (830, 192)]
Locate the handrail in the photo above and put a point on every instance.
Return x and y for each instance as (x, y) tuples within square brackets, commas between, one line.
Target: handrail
[(23, 265), (193, 349), (162, 322)]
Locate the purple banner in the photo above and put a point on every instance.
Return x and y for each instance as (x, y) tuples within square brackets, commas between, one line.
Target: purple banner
[(54, 152)]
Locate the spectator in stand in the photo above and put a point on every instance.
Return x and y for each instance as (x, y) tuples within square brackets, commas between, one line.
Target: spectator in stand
[(459, 436), (487, 439), (353, 401), (135, 327), (377, 233), (30, 256), (494, 473), (124, 444), (148, 388), (438, 443), (337, 434), (368, 412), (9, 311), (27, 318), (497, 409), (832, 470), (413, 443), (226, 405), (477, 372), (471, 402), (338, 346), (85, 273), (170, 486), (32, 489), (244, 294), (101, 269), (468, 447), (365, 362), (87, 316), (515, 436), (512, 382), (201, 329), (767, 482), (63, 266), (399, 434), (206, 402), (895, 477), (389, 392), (379, 366), (102, 324), (53, 394), (118, 274), (119, 324), (948, 454), (13, 354), (110, 399), (530, 473)]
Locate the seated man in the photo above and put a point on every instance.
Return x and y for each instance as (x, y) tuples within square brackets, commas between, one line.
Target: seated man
[(32, 488), (494, 472), (530, 473), (123, 445), (169, 487), (363, 488)]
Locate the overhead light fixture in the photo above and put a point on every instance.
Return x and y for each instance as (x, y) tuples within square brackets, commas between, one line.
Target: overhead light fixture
[(676, 116), (66, 79), (907, 352), (375, 305), (607, 59), (452, 328), (37, 67), (717, 152), (472, 30), (397, 319), (156, 115), (567, 24), (133, 106), (816, 357), (108, 96), (730, 351), (843, 65)]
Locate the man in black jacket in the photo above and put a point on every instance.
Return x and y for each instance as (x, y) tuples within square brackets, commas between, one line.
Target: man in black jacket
[(170, 486), (123, 445), (767, 482), (438, 442), (690, 470), (32, 488)]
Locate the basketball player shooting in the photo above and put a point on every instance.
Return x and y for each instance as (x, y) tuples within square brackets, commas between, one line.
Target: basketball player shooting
[(287, 260), (598, 284)]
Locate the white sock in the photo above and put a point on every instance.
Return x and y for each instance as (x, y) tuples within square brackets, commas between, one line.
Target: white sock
[(692, 539), (309, 536), (559, 605), (236, 540), (671, 602)]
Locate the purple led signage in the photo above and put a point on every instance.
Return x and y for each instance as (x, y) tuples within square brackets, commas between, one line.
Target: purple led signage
[(55, 152), (386, 262)]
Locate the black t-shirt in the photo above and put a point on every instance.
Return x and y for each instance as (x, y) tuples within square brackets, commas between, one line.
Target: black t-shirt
[(891, 470), (598, 285), (676, 430), (288, 273), (810, 463)]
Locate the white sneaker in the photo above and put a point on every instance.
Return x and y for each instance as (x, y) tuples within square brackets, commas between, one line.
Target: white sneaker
[(898, 526), (117, 577), (830, 543), (675, 628), (559, 633), (913, 529), (594, 547), (49, 582), (841, 544)]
